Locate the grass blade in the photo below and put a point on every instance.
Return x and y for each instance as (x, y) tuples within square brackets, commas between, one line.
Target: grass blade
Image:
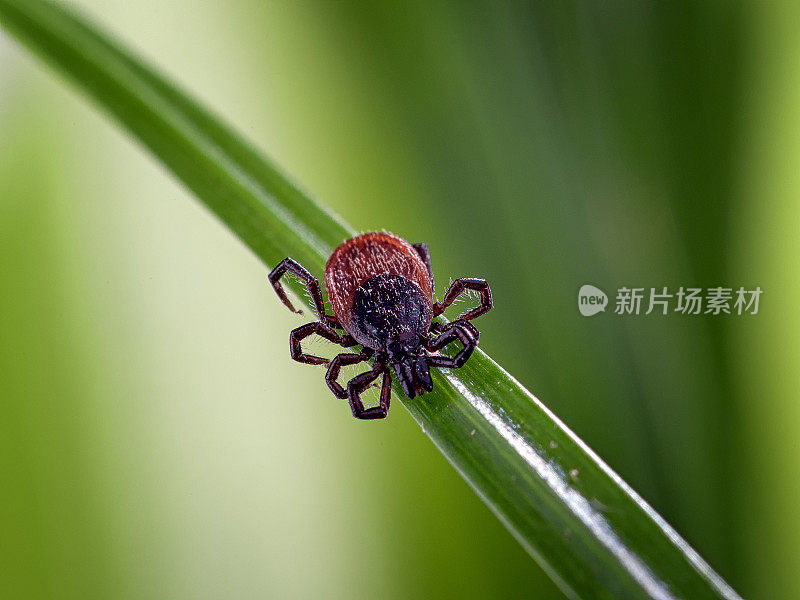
[(592, 533)]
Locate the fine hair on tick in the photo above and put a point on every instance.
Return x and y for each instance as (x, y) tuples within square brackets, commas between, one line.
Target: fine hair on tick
[(381, 290)]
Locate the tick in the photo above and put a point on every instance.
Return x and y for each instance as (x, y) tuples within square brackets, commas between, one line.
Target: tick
[(381, 288)]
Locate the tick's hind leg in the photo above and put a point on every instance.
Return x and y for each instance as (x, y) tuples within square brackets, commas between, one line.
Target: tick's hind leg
[(290, 265), (425, 255), (361, 382), (322, 330), (457, 330), (457, 288)]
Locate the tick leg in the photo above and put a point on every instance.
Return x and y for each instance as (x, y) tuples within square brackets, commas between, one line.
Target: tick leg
[(457, 288), (425, 255), (361, 382), (336, 364), (437, 328), (290, 265), (322, 330), (457, 330)]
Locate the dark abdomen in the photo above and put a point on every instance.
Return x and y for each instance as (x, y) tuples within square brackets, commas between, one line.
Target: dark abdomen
[(388, 307)]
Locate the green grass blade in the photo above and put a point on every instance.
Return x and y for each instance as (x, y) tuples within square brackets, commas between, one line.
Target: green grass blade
[(593, 534)]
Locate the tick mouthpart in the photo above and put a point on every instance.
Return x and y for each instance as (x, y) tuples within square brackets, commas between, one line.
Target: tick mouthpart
[(410, 364)]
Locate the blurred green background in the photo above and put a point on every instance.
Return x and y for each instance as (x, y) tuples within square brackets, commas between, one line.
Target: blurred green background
[(155, 438)]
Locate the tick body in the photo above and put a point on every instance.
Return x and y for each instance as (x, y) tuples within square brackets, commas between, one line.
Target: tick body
[(381, 291)]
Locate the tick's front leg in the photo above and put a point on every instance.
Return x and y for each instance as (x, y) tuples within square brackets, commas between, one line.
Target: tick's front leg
[(457, 330), (361, 382), (336, 365)]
